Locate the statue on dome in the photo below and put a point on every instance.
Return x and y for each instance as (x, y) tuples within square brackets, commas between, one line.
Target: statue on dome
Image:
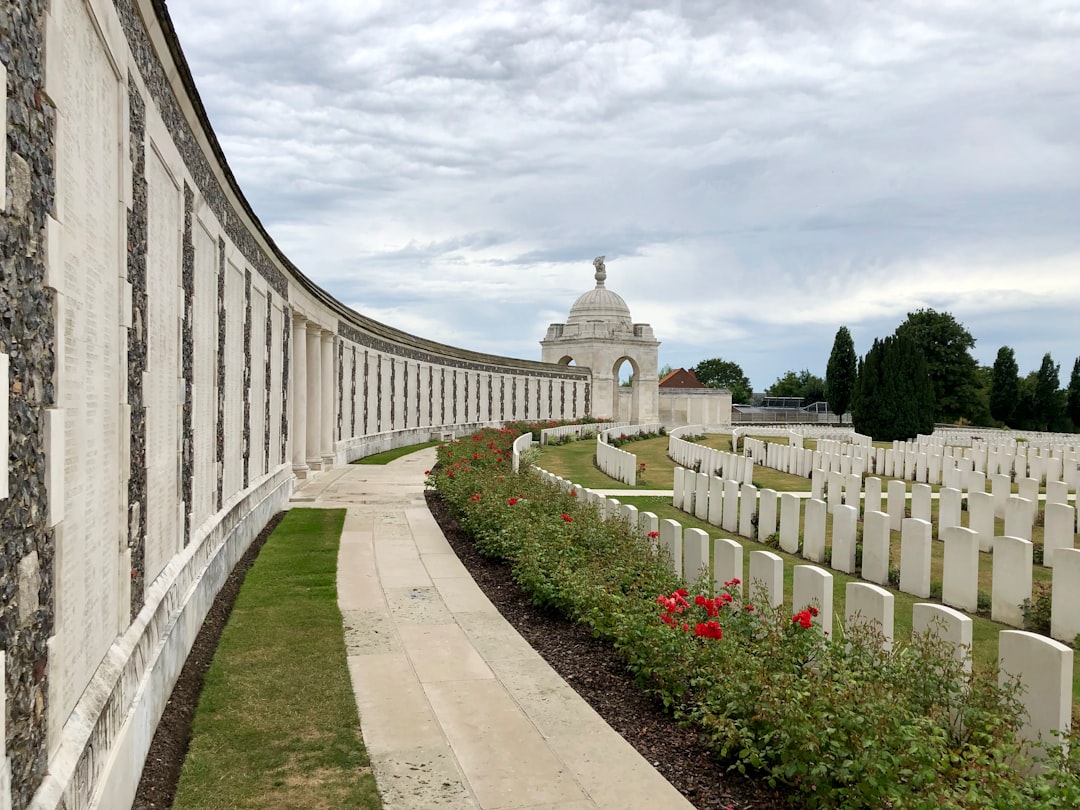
[(601, 270)]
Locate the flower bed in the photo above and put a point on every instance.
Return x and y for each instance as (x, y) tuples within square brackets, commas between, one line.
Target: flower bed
[(843, 722)]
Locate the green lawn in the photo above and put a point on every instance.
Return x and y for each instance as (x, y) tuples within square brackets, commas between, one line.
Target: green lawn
[(387, 456), (277, 724)]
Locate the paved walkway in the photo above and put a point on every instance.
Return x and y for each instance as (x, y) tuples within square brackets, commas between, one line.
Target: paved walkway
[(457, 710)]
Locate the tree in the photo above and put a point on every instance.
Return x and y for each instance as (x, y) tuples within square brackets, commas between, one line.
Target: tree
[(809, 387), (1005, 386), (1073, 396), (840, 372), (893, 396), (720, 373), (1047, 403), (946, 345)]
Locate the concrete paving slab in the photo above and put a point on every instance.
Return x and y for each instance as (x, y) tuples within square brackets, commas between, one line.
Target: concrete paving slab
[(479, 719), (462, 594), (417, 606), (442, 652)]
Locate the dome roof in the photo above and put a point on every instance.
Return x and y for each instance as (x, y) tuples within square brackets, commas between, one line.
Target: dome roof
[(600, 304)]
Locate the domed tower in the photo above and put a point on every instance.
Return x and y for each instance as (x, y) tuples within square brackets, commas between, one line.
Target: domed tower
[(600, 334)]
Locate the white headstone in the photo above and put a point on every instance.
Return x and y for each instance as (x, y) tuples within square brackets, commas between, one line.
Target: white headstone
[(677, 489), (981, 518), (871, 605), (920, 501), (872, 495), (671, 542), (1044, 668), (814, 586), (1065, 596), (1018, 517), (896, 504), (695, 554), (701, 496), (949, 508), (727, 561), (790, 508), (1011, 579), (915, 539), (844, 525), (875, 558), (716, 500), (767, 502), (747, 510), (1058, 530), (814, 531), (766, 578), (731, 506), (960, 573), (951, 626)]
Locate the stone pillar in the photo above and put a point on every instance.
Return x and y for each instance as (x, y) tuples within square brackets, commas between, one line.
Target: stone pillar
[(298, 428), (329, 400), (314, 395)]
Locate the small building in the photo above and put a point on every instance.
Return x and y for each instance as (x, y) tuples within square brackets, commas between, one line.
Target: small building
[(681, 378)]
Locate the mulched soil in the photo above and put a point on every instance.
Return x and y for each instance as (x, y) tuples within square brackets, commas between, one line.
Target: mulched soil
[(161, 773), (595, 671), (589, 665)]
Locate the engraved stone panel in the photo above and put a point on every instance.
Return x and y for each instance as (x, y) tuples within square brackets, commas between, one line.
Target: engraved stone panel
[(234, 380), (89, 268), (256, 395), (165, 222), (204, 418), (278, 323)]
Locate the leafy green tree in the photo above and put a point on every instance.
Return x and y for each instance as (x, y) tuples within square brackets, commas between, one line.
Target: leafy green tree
[(803, 384), (720, 373), (946, 345), (840, 372), (1005, 386), (1072, 405), (1048, 405), (893, 397)]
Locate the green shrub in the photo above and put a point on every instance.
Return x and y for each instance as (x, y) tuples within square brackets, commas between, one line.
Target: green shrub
[(1036, 611)]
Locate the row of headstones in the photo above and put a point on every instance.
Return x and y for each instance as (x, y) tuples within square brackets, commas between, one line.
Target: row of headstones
[(973, 437), (1057, 463), (1043, 666), (616, 463), (728, 465), (801, 461), (1018, 511), (742, 509), (578, 430), (927, 463)]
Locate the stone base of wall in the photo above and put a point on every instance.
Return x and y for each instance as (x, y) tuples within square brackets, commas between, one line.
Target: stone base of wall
[(106, 739)]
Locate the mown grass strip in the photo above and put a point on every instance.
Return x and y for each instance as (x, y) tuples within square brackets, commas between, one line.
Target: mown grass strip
[(386, 456), (277, 725)]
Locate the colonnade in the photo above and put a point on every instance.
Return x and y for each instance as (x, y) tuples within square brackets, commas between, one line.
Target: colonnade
[(313, 396)]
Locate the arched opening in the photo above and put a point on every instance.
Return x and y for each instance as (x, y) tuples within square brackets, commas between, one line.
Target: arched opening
[(567, 360), (623, 395)]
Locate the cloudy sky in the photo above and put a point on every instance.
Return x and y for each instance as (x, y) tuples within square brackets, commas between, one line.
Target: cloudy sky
[(757, 173)]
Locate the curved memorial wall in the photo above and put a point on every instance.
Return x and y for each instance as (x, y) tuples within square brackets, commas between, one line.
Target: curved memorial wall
[(170, 374)]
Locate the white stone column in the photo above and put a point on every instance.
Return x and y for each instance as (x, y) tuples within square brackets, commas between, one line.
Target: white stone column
[(314, 395), (329, 400), (298, 427)]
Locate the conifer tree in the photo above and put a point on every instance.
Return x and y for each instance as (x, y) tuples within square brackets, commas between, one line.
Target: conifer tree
[(840, 373), (1005, 386)]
